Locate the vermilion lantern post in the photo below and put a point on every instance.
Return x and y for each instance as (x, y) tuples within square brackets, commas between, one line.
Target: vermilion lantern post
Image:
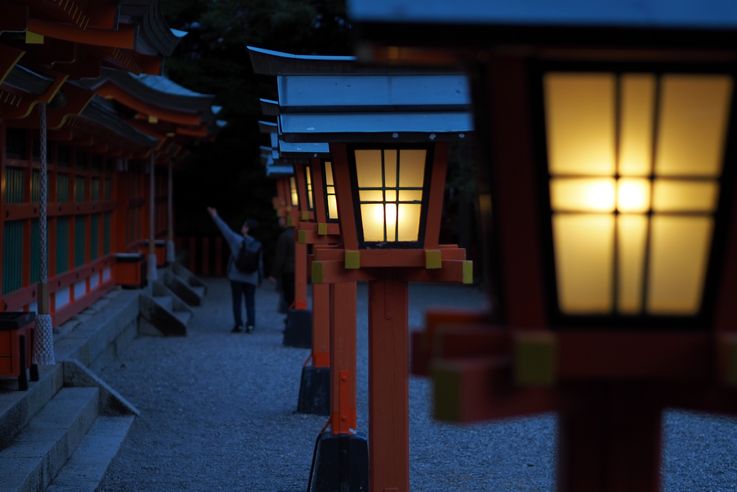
[(312, 233), (609, 162), (389, 175)]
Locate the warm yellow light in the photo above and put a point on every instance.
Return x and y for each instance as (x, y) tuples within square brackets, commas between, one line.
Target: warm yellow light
[(582, 194), (330, 191), (635, 161), (390, 189), (633, 195), (580, 123), (308, 179), (293, 191)]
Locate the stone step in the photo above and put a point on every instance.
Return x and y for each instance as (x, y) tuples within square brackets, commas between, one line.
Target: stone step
[(200, 291), (17, 408), (167, 302), (42, 448), (183, 317), (89, 463)]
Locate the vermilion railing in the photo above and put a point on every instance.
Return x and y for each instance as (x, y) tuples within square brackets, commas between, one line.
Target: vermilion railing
[(97, 206)]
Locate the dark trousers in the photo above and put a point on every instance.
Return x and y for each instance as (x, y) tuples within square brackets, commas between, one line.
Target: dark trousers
[(287, 288), (240, 290)]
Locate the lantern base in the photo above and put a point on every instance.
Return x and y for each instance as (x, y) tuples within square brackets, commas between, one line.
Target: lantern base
[(340, 463), (314, 391), (298, 331)]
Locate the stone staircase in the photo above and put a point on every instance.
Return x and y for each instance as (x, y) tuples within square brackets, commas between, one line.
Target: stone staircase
[(163, 312), (63, 432), (185, 284)]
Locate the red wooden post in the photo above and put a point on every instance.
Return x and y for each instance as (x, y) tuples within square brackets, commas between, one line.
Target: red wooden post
[(219, 265), (300, 276), (609, 440), (321, 325), (388, 385), (205, 256), (192, 255), (343, 357)]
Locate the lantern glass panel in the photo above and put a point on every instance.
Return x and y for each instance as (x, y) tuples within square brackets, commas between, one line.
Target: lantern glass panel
[(330, 192), (675, 285), (634, 162), (693, 122), (293, 191), (390, 193), (308, 183)]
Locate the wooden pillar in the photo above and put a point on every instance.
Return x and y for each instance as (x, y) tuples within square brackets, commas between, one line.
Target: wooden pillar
[(342, 357), (170, 252), (205, 270), (388, 385), (192, 255), (300, 276), (609, 441), (152, 274), (219, 260), (321, 325)]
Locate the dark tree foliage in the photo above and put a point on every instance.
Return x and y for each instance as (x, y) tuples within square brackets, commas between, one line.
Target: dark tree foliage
[(212, 59)]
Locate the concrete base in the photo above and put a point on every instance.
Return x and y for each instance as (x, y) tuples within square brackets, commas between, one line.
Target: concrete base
[(298, 332), (340, 463), (314, 391)]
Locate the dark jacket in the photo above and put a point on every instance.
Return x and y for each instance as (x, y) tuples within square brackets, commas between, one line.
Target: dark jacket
[(284, 256), (234, 241)]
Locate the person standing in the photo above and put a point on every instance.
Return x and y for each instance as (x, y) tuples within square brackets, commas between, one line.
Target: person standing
[(282, 268), (243, 279)]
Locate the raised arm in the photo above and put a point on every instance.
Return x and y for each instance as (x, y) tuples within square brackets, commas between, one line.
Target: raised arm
[(232, 237)]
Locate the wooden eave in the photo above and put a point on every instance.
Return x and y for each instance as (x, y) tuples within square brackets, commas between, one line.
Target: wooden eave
[(124, 37), (155, 36), (111, 91), (22, 108), (174, 102), (76, 99), (81, 14), (9, 58), (101, 115)]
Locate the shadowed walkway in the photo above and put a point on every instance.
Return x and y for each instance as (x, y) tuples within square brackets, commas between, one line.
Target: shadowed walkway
[(218, 413)]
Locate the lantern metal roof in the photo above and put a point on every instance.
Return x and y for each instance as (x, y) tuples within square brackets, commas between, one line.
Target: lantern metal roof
[(480, 22), (274, 167), (303, 149), (281, 148), (348, 104), (661, 13)]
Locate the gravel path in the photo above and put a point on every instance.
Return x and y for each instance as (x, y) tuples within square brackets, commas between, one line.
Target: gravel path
[(218, 413)]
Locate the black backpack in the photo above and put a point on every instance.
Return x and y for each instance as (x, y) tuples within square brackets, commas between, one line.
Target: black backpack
[(247, 260)]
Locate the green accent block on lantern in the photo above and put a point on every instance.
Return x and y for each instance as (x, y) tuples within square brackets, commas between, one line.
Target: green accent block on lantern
[(290, 222), (535, 359), (433, 259), (34, 38), (317, 272), (304, 216), (446, 395), (302, 236), (352, 259), (468, 272), (322, 229)]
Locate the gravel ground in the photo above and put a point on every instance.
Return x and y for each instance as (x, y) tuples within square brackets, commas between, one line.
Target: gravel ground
[(218, 413)]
